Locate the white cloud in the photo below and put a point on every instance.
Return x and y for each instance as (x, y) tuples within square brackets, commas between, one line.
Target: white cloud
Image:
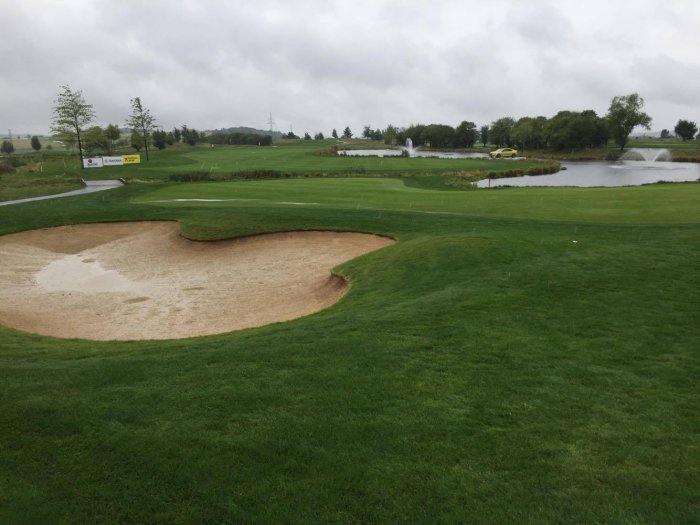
[(319, 64)]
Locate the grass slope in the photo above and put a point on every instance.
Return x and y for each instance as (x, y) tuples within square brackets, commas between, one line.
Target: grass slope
[(483, 369)]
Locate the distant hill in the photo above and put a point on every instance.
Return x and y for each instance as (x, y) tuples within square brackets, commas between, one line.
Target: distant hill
[(245, 129)]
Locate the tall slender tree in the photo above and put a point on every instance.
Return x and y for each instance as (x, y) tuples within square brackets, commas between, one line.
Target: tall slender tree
[(36, 143), (7, 147), (71, 116), (141, 122)]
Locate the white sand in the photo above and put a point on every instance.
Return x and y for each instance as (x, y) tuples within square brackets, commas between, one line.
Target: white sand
[(142, 280)]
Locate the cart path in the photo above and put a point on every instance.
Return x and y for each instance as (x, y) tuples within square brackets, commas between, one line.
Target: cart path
[(91, 186)]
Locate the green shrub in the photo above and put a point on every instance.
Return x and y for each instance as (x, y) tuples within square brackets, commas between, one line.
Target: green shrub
[(190, 177), (6, 168), (685, 157), (329, 152), (544, 169)]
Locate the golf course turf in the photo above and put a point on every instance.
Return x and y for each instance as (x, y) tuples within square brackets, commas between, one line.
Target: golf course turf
[(517, 356)]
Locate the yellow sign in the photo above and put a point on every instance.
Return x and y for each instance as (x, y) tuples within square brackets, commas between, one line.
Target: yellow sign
[(131, 159)]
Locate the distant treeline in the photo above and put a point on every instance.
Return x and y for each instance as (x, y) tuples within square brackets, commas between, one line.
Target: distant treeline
[(239, 138), (248, 129), (565, 130)]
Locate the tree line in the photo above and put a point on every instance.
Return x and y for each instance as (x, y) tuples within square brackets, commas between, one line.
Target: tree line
[(566, 130)]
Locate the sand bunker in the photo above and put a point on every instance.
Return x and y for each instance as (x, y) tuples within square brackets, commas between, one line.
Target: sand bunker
[(142, 280)]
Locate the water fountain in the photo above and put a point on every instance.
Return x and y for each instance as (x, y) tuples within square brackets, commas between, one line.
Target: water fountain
[(409, 148), (648, 155)]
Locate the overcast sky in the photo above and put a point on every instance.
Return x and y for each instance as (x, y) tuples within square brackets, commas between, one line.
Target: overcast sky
[(323, 64)]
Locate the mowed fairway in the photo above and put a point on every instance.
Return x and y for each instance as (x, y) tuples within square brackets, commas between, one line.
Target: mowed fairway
[(647, 204), (517, 356)]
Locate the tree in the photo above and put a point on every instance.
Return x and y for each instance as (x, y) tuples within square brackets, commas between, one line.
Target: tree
[(484, 134), (141, 121), (113, 133), (389, 135), (7, 147), (500, 131), (366, 132), (624, 115), (136, 140), (95, 139), (177, 135), (160, 139), (574, 130), (190, 136), (71, 116), (686, 129), (413, 132), (347, 133), (334, 134), (466, 135), (318, 136), (307, 136), (528, 133), (438, 136), (36, 143), (665, 133)]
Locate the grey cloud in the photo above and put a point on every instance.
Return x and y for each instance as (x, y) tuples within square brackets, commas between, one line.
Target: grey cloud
[(323, 64)]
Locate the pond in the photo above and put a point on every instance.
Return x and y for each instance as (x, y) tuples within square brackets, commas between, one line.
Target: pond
[(412, 153), (605, 173)]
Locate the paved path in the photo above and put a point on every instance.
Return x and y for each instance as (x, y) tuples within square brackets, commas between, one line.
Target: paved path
[(91, 186)]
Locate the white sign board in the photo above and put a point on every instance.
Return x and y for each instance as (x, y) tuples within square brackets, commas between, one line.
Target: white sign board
[(93, 162), (113, 161)]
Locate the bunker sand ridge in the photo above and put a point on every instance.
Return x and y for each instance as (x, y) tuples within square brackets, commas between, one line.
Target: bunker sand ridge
[(143, 280)]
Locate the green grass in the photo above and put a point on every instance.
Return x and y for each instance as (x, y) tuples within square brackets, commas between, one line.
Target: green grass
[(296, 158), (24, 183), (679, 203), (484, 369), (288, 159)]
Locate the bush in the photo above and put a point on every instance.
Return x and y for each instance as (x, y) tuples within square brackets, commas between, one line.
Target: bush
[(685, 157), (203, 176), (15, 161), (6, 168), (330, 152), (190, 177), (545, 169), (7, 147), (259, 174)]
